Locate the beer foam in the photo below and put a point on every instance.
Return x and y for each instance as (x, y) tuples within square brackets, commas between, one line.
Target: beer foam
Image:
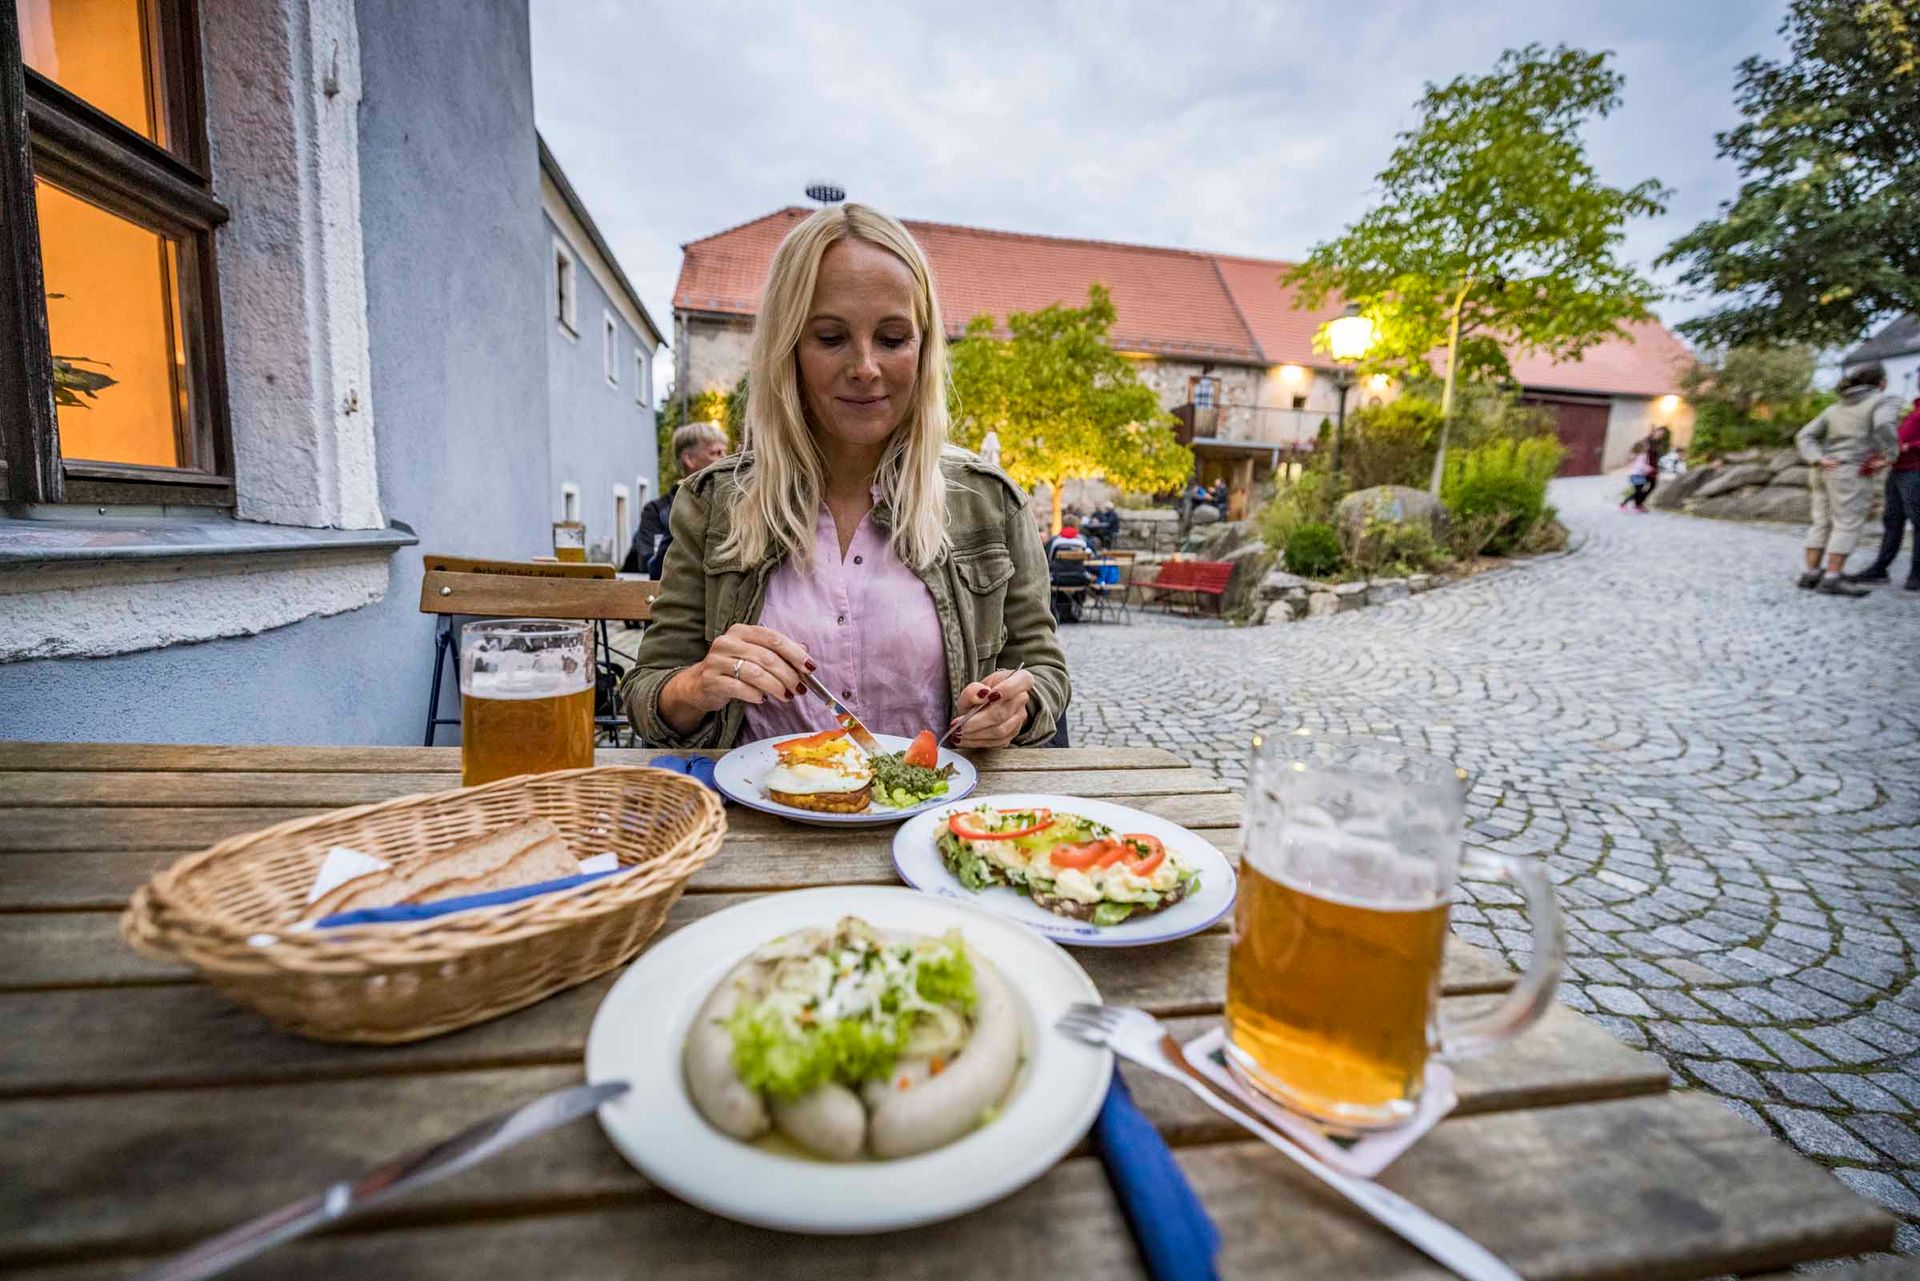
[(1357, 864), (506, 674)]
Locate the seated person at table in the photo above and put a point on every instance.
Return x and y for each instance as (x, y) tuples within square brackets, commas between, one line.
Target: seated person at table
[(846, 538), (1102, 528), (695, 446)]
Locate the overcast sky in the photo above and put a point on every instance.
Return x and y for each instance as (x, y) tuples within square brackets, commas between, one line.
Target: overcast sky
[(1242, 127)]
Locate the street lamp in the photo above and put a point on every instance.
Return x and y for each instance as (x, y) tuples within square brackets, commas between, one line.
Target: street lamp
[(1349, 335)]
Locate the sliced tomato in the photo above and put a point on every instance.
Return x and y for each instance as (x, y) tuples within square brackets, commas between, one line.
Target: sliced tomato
[(973, 825), (1084, 855), (924, 752), (1144, 853)]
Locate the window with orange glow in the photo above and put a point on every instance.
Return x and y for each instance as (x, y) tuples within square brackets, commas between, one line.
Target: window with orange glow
[(113, 320), (101, 51)]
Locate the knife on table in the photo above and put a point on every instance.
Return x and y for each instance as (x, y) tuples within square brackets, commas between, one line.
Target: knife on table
[(384, 1182), (857, 731)]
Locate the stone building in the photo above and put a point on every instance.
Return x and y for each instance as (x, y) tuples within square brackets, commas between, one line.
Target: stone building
[(1217, 336)]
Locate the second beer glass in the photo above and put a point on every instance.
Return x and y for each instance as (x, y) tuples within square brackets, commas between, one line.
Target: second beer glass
[(526, 698), (1353, 848)]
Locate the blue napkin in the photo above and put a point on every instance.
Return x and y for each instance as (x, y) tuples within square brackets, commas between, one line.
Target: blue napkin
[(440, 907), (699, 768), (1171, 1227)]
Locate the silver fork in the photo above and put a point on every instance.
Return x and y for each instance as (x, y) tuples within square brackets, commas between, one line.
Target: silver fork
[(1139, 1038)]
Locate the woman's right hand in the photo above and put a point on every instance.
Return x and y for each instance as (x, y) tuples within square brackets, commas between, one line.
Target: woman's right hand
[(746, 664)]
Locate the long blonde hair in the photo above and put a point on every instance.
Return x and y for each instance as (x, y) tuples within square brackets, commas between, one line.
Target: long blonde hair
[(777, 500)]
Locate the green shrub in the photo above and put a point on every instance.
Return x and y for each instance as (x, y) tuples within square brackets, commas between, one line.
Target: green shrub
[(1504, 484), (1391, 547), (1313, 550), (1391, 444), (1309, 497)]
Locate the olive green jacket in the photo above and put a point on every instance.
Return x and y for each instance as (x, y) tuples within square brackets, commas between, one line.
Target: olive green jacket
[(990, 590)]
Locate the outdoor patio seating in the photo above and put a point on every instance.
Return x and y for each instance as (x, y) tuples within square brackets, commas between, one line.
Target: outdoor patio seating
[(454, 587), (1110, 592)]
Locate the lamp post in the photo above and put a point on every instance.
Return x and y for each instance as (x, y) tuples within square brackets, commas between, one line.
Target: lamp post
[(1349, 335)]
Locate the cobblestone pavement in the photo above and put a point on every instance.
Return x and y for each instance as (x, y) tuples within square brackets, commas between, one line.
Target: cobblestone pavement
[(1723, 773)]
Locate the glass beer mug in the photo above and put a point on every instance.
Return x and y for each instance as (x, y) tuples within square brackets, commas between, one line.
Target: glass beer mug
[(1353, 847), (526, 698)]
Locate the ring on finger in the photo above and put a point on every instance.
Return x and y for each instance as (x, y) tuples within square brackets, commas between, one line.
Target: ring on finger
[(738, 663)]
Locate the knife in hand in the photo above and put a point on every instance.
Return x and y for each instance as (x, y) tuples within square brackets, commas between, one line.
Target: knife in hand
[(384, 1182), (844, 714)]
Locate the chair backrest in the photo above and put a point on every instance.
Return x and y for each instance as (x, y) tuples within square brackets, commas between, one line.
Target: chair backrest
[(541, 589), (518, 568), (1211, 575), (1177, 574), (1072, 555)]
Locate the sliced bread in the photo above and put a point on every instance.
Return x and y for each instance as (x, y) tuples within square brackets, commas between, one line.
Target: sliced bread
[(525, 854)]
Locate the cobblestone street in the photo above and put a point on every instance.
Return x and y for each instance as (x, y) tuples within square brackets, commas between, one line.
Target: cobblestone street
[(1722, 771)]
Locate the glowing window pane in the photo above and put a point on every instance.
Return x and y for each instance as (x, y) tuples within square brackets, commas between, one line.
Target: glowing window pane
[(111, 313), (99, 50)]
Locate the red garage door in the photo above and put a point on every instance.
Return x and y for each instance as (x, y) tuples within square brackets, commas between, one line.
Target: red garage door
[(1582, 428)]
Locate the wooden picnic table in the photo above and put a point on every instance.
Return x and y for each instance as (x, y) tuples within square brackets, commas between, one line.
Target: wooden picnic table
[(141, 1111)]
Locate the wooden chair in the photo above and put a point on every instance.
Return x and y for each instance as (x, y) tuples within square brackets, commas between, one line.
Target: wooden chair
[(455, 587), (1114, 596)]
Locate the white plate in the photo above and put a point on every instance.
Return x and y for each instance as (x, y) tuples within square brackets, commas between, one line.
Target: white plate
[(738, 775), (642, 1025), (921, 866)]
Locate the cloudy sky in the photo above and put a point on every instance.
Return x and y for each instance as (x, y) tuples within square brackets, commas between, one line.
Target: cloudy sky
[(1245, 127)]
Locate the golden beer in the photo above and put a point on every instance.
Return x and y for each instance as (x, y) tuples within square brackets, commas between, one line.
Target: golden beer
[(526, 698), (501, 737), (1330, 1004)]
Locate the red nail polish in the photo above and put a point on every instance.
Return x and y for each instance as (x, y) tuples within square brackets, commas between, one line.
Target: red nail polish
[(811, 667), (994, 697)]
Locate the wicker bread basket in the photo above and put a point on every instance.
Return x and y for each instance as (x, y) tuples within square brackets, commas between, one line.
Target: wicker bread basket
[(227, 910)]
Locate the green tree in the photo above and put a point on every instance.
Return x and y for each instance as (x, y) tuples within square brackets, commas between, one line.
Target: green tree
[(1824, 238), (1751, 396), (1066, 405), (1493, 232), (726, 408)]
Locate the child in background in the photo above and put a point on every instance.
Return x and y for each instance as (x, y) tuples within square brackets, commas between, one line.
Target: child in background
[(1640, 477)]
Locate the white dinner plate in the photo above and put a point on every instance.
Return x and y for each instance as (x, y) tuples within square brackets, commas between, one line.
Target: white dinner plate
[(641, 1028), (739, 772), (920, 865)]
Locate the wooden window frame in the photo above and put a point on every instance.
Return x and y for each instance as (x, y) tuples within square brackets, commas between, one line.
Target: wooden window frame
[(49, 132)]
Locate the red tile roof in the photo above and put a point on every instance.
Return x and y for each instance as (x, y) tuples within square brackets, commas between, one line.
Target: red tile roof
[(1171, 302)]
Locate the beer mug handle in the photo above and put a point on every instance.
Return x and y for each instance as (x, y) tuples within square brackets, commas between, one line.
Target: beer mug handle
[(1530, 997)]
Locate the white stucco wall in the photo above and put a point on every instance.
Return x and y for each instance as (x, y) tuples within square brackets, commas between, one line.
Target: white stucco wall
[(1903, 377), (714, 354), (1630, 418)]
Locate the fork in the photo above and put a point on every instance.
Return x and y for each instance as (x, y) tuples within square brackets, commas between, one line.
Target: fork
[(1140, 1038)]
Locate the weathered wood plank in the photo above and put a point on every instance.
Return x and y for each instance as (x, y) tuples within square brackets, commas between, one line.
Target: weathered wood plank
[(1669, 1187), (95, 1039), (16, 755), (289, 1136), (154, 788), (27, 830)]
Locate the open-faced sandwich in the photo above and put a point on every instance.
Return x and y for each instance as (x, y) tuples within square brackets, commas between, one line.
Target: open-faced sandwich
[(851, 1042), (828, 772), (1066, 863)]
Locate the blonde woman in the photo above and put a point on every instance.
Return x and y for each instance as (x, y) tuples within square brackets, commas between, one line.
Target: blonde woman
[(846, 538)]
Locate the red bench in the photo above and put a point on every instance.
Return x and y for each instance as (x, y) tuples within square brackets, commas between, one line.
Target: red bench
[(1192, 579)]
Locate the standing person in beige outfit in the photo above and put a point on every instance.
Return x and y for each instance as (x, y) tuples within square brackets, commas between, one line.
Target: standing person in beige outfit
[(1846, 446)]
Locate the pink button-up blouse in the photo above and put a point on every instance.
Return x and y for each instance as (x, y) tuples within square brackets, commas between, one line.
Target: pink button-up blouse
[(870, 626)]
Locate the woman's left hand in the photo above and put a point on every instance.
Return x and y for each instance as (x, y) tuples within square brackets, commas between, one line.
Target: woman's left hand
[(1005, 694)]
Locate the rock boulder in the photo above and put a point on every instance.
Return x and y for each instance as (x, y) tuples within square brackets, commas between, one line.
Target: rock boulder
[(1739, 476), (1766, 502), (1790, 478), (1398, 504), (1677, 489)]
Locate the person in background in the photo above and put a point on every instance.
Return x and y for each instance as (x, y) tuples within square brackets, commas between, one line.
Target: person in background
[(1659, 445), (1847, 444), (1218, 496), (695, 446), (1640, 476), (1903, 508), (1102, 528)]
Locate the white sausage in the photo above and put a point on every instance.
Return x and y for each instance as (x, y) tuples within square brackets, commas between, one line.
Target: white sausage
[(829, 1122), (913, 1071), (722, 1097), (949, 1105)]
